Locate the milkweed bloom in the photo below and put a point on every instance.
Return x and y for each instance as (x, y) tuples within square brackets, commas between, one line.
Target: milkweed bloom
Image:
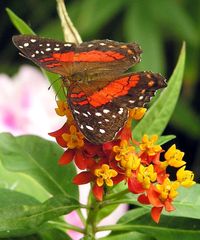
[(142, 165)]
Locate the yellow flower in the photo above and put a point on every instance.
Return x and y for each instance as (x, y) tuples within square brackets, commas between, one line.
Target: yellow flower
[(74, 139), (185, 177), (146, 175), (148, 146), (104, 174), (126, 155), (123, 150), (167, 189), (63, 110), (135, 114), (174, 157)]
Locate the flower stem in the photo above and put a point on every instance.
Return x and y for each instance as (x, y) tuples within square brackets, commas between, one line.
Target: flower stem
[(90, 227), (81, 216), (70, 32)]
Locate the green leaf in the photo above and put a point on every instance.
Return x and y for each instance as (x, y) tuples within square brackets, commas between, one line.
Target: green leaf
[(132, 215), (179, 25), (144, 31), (21, 220), (129, 236), (21, 182), (169, 228), (12, 198), (164, 139), (105, 211), (30, 237), (187, 203), (20, 25), (157, 117), (84, 12), (23, 28), (53, 234), (38, 158)]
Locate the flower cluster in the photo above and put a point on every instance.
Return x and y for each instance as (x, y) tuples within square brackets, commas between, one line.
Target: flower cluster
[(142, 165)]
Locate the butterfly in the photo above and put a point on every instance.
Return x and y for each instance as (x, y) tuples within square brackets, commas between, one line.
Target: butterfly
[(99, 91)]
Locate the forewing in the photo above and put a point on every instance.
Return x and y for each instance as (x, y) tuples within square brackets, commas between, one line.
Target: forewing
[(52, 55), (98, 56), (106, 56)]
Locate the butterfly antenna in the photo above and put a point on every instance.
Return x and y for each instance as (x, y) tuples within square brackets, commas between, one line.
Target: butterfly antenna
[(53, 82), (60, 88)]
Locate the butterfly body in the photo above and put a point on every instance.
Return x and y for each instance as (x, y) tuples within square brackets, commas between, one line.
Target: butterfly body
[(99, 92)]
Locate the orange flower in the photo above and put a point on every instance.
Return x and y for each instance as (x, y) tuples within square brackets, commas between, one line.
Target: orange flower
[(161, 196), (100, 174)]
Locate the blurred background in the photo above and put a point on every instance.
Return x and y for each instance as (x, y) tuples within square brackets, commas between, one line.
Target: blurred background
[(159, 27)]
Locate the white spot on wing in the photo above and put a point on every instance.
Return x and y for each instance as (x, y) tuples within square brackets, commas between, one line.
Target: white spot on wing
[(67, 44), (131, 101), (89, 127), (56, 49), (76, 111), (120, 110), (102, 44), (84, 114), (48, 44), (88, 113), (21, 47), (36, 51), (113, 116), (42, 52), (33, 40), (98, 114), (26, 44), (81, 126), (106, 110), (48, 49), (90, 45), (102, 130), (107, 120), (33, 55), (141, 97)]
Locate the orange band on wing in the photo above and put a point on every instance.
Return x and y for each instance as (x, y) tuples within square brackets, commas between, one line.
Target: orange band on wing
[(77, 95), (97, 56), (91, 56), (117, 88), (64, 57)]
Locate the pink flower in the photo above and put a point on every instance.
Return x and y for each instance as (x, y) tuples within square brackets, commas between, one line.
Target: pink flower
[(26, 105)]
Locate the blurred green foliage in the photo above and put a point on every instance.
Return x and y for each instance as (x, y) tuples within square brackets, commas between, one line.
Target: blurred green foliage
[(158, 26)]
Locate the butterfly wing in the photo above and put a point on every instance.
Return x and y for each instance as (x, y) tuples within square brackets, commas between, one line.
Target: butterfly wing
[(40, 51), (101, 114), (90, 57)]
